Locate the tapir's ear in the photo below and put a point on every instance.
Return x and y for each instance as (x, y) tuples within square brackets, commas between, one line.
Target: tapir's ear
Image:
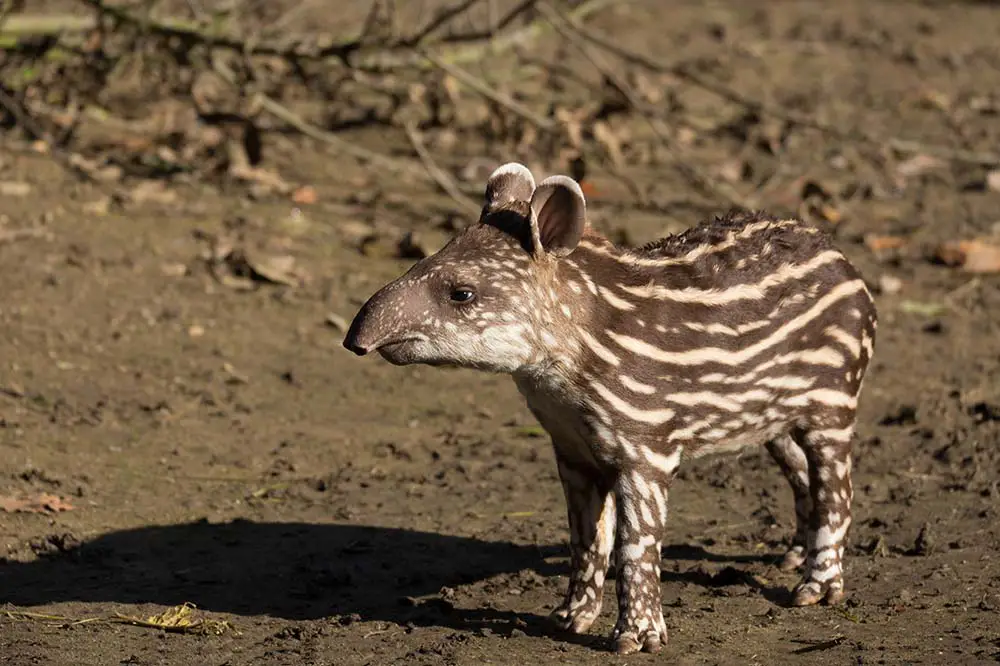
[(558, 216), (511, 182)]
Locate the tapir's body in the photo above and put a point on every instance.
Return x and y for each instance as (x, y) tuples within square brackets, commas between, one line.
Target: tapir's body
[(742, 331)]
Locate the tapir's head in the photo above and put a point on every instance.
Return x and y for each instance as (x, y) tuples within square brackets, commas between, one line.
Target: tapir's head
[(485, 299)]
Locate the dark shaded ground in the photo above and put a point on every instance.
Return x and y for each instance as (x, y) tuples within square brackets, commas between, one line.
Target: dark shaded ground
[(220, 447)]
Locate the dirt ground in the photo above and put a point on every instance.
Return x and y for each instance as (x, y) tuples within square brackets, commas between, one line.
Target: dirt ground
[(218, 446)]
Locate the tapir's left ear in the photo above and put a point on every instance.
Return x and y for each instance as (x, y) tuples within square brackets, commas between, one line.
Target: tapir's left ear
[(509, 183), (558, 216)]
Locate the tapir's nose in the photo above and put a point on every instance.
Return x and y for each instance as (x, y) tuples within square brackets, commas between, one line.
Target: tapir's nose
[(353, 341), (364, 333)]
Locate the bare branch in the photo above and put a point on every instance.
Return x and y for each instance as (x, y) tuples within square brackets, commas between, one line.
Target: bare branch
[(480, 86), (802, 120), (443, 180), (694, 175), (444, 15)]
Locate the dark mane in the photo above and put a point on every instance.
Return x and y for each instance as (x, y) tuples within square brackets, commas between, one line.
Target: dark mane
[(512, 220), (708, 232)]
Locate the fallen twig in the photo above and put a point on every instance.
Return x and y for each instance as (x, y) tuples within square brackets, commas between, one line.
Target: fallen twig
[(956, 154), (11, 235), (479, 86), (472, 46), (177, 619), (443, 180), (687, 169), (45, 25), (442, 16), (802, 120), (286, 115), (354, 51), (191, 33)]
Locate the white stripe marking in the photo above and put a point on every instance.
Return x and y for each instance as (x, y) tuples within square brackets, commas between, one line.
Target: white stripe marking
[(651, 416), (727, 357), (743, 292)]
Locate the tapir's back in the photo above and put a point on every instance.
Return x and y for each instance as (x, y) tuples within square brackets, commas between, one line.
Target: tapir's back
[(744, 315)]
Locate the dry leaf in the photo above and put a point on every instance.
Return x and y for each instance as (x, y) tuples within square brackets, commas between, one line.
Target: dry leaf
[(686, 136), (43, 503), (877, 243), (153, 191), (604, 135), (357, 233), (14, 188), (934, 99), (96, 169), (337, 322), (829, 213), (267, 180), (973, 256), (305, 195), (179, 619), (97, 207), (918, 164), (276, 269), (734, 170)]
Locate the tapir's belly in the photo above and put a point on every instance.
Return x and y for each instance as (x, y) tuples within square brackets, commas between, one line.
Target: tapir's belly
[(567, 421)]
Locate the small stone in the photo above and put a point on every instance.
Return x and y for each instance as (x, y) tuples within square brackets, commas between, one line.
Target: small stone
[(993, 180), (196, 331), (890, 284)]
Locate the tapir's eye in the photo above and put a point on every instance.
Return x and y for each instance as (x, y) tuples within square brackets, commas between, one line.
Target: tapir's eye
[(462, 295)]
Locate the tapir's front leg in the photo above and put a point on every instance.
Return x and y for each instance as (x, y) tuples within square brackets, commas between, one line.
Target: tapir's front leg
[(642, 514), (590, 505)]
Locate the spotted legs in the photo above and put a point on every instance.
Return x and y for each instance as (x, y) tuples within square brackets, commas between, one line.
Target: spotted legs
[(792, 461), (642, 515), (828, 454), (590, 505)]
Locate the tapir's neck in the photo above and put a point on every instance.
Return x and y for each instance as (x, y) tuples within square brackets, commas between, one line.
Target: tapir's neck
[(571, 302)]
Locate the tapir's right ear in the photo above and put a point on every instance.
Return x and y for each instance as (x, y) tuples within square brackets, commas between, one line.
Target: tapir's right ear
[(558, 216), (509, 183)]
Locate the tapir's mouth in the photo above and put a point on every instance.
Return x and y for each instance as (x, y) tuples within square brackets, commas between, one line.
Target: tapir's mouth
[(399, 351)]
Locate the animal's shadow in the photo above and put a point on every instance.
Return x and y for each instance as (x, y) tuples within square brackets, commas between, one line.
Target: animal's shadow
[(296, 571)]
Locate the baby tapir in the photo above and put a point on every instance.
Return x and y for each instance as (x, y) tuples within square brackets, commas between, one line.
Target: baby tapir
[(743, 331)]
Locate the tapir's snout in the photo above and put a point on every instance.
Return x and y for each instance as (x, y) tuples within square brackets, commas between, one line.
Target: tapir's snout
[(387, 318)]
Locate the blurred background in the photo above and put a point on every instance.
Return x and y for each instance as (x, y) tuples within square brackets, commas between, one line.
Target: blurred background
[(197, 195)]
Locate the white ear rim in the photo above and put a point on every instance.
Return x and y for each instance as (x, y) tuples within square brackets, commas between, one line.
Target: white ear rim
[(565, 181), (513, 169)]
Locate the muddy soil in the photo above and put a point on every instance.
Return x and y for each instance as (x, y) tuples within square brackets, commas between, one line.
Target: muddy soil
[(218, 446)]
